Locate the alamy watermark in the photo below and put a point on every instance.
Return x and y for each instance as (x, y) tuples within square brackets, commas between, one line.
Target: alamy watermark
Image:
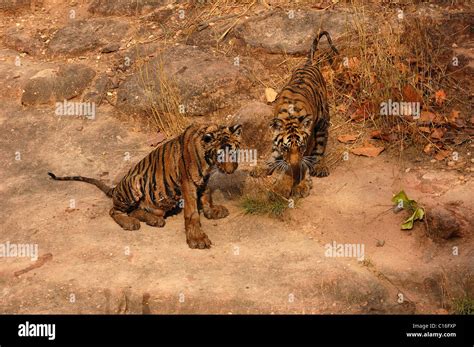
[(10, 250), (237, 156), (37, 330), (400, 108), (345, 250), (69, 108)]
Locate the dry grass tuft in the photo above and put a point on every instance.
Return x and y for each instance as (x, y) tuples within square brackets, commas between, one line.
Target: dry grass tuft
[(164, 100), (400, 61)]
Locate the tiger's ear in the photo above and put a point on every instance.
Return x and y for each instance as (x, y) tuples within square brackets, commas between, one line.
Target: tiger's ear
[(306, 121), (276, 124), (236, 129)]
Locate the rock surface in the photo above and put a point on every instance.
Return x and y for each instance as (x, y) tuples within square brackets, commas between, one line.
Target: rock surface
[(86, 35), (98, 90), (51, 85), (125, 7), (22, 42), (14, 5), (291, 32), (203, 83), (444, 223), (255, 119)]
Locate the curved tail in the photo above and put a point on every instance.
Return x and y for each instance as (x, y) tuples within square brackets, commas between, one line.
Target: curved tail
[(314, 47), (99, 184)]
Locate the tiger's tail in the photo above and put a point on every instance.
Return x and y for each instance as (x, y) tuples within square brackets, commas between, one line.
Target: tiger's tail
[(314, 47), (99, 184)]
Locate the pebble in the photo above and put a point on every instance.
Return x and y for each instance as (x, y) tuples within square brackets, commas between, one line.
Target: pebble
[(451, 163), (408, 170), (433, 161), (429, 176)]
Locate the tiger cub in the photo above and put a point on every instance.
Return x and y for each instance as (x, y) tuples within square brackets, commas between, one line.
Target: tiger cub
[(300, 128), (178, 169)]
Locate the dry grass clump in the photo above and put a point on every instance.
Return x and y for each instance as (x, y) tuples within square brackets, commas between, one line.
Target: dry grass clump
[(164, 100), (260, 198), (398, 59)]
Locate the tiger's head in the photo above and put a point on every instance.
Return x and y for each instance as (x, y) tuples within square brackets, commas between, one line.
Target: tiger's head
[(221, 144), (290, 138)]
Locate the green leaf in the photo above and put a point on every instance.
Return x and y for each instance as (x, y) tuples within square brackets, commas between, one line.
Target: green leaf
[(417, 215), (407, 203)]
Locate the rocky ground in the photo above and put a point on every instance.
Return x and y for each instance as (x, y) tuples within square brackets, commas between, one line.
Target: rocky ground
[(136, 60)]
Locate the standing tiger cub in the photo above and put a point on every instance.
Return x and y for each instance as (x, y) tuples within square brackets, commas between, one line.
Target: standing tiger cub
[(300, 128), (178, 169)]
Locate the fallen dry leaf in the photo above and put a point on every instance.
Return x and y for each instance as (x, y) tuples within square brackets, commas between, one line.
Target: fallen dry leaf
[(455, 120), (438, 133), (440, 97), (424, 129), (410, 94), (363, 112), (368, 150), (375, 134), (427, 116), (383, 135), (347, 138), (270, 94), (430, 117), (442, 154)]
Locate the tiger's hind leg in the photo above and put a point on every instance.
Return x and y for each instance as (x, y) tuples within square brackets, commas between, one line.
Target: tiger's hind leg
[(148, 217), (125, 221), (320, 168)]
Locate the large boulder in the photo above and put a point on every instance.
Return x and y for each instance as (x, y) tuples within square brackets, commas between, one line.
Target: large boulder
[(292, 32), (22, 42), (86, 35), (60, 84), (255, 119), (200, 81)]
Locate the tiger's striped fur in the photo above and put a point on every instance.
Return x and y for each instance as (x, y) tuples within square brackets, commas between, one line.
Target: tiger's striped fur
[(300, 127), (174, 174)]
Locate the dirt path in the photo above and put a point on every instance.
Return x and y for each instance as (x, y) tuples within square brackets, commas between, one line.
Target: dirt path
[(257, 264)]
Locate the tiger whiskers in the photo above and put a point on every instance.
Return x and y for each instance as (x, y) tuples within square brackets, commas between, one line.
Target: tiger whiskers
[(279, 165), (309, 161)]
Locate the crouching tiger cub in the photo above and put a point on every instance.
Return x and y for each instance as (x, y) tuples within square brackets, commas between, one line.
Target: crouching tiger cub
[(178, 169), (300, 128)]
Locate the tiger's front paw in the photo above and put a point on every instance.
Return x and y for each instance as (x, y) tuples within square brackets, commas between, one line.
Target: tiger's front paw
[(283, 187), (302, 190), (199, 241), (131, 224), (320, 171), (195, 237), (216, 212), (156, 221)]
